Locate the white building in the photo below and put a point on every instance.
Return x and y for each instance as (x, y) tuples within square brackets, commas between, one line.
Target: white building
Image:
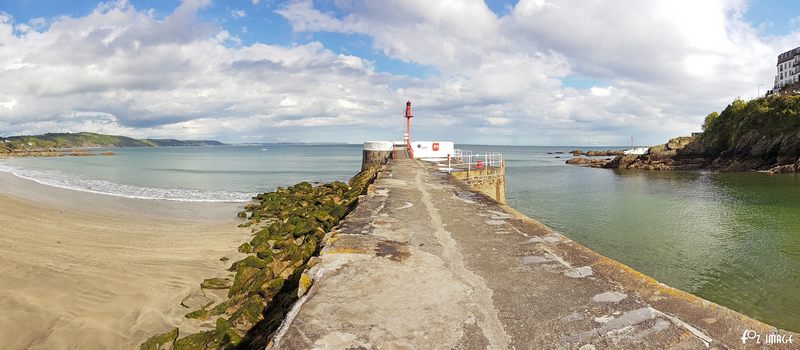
[(788, 68)]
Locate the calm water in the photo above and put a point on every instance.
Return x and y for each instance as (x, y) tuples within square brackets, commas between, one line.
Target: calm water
[(229, 173), (730, 238)]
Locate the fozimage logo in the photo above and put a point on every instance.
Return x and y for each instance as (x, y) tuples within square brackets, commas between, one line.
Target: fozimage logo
[(770, 338)]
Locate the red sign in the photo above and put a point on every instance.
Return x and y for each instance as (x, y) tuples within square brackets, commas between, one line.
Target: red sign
[(435, 146)]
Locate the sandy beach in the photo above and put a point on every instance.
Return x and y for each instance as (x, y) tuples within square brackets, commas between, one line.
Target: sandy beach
[(87, 271)]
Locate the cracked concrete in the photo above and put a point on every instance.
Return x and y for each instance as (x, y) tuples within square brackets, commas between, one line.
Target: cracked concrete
[(423, 263)]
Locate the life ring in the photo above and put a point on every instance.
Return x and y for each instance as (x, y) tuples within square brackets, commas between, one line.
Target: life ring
[(478, 164)]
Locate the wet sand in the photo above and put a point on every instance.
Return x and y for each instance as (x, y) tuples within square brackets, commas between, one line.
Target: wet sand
[(87, 271)]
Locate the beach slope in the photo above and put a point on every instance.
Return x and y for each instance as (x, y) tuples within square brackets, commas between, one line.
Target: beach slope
[(87, 271)]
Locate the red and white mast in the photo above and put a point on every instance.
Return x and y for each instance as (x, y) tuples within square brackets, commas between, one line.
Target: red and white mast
[(407, 134)]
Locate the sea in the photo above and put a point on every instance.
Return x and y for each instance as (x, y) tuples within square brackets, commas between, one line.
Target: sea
[(732, 238)]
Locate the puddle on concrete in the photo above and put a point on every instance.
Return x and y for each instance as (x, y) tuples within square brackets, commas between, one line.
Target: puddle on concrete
[(466, 196), (550, 238), (382, 223), (499, 215), (535, 240), (534, 259), (495, 222), (603, 319), (575, 316), (394, 250), (579, 272), (609, 297)]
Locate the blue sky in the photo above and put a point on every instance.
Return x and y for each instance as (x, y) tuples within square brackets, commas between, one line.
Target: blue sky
[(501, 72)]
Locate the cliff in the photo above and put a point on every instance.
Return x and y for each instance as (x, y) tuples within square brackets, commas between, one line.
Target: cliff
[(761, 134), (88, 139)]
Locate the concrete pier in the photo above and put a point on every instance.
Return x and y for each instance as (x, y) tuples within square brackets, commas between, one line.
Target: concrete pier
[(425, 263)]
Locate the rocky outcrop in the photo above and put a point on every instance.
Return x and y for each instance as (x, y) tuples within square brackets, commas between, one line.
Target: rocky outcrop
[(659, 157), (589, 162), (605, 153), (289, 227), (759, 135)]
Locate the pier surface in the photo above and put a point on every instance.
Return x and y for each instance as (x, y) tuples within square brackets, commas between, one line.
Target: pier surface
[(424, 263)]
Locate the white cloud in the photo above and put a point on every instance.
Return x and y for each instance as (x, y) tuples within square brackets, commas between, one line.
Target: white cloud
[(238, 13), (598, 91), (122, 70), (498, 121), (663, 65), (670, 62)]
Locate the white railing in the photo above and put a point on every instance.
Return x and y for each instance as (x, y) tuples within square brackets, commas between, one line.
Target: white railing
[(466, 161), (460, 154)]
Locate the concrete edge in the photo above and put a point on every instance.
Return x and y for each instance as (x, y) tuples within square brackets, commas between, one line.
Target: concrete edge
[(719, 323)]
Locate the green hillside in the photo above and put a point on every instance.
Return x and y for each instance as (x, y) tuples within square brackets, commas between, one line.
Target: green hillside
[(757, 134), (88, 139)]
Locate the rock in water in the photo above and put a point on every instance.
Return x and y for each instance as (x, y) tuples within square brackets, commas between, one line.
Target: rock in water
[(199, 314), (199, 341), (216, 283), (587, 162), (197, 299), (161, 341)]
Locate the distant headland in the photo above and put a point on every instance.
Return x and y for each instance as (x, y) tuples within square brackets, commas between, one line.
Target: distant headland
[(51, 142)]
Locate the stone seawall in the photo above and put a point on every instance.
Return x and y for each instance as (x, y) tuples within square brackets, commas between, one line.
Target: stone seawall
[(488, 181), (424, 261)]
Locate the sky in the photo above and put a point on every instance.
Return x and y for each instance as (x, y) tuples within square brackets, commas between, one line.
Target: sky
[(526, 72)]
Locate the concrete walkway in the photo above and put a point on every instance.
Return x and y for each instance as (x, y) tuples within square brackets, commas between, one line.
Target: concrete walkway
[(423, 263)]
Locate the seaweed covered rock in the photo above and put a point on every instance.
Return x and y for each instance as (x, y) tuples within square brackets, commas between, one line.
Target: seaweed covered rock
[(199, 341), (161, 341), (249, 314), (197, 300), (289, 225), (199, 314), (216, 283)]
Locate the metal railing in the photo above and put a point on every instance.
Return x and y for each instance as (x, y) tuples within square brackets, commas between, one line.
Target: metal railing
[(466, 161), (459, 154)]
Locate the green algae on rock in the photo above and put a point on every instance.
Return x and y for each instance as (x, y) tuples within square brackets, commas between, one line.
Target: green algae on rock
[(161, 341), (289, 227), (216, 283)]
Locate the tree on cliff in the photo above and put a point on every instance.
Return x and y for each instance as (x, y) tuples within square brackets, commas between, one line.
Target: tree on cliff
[(710, 118)]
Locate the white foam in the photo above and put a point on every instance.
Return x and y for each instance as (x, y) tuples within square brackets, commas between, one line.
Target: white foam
[(61, 180)]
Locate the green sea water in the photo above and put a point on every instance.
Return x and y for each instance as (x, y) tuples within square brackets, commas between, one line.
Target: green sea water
[(730, 238)]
